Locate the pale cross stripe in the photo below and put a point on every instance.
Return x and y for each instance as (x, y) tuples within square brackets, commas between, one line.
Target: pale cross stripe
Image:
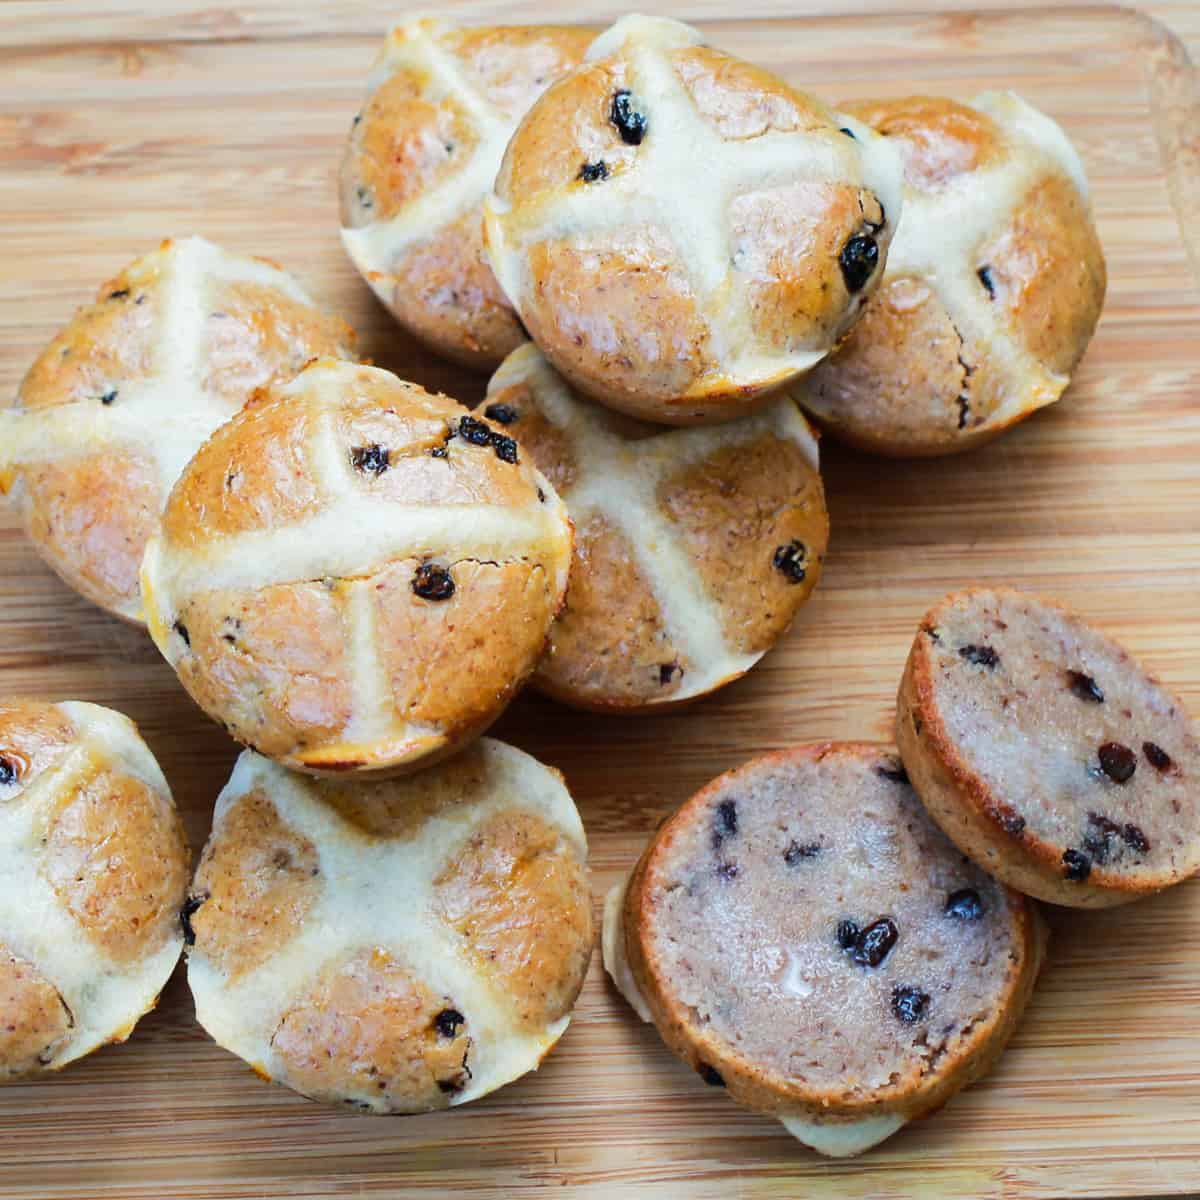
[(682, 180), (618, 480), (351, 537), (942, 232), (378, 892), (104, 996), (167, 414), (377, 246)]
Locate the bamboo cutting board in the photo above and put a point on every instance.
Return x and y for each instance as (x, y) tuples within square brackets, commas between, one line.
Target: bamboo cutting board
[(234, 132)]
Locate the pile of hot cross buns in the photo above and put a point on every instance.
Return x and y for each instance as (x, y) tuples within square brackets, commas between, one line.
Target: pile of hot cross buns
[(672, 261)]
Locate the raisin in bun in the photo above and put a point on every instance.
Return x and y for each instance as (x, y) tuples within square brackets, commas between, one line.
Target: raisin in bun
[(682, 232), (803, 935), (1047, 754), (118, 402), (398, 946), (694, 548), (93, 871), (441, 106), (356, 575), (993, 285)]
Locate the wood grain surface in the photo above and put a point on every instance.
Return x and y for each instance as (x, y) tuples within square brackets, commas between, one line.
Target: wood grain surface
[(120, 126)]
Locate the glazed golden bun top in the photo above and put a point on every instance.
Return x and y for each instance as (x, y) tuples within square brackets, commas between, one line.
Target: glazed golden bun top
[(441, 106), (93, 868), (993, 286), (694, 548), (354, 574), (681, 231), (113, 408), (399, 945)]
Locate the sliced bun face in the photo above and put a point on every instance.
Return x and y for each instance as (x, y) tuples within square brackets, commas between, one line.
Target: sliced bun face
[(1047, 753), (802, 935)]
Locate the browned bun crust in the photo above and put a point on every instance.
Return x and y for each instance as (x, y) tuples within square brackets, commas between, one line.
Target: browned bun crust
[(643, 296), (114, 406), (418, 134), (975, 325), (354, 574), (725, 526), (95, 868)]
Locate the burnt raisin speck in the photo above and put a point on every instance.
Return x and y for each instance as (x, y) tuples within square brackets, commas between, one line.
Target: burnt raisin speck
[(847, 934), (1085, 687), (9, 770), (630, 122), (364, 198), (896, 774), (1117, 762), (727, 819), (985, 277), (502, 414), (505, 447), (190, 906), (181, 629), (475, 432), (451, 1086), (875, 942), (479, 434), (1103, 830), (964, 410), (790, 560), (710, 1075), (1135, 839), (964, 905), (848, 132), (666, 672), (593, 172), (109, 397), (1077, 866), (432, 582), (858, 260), (909, 1004), (371, 460), (1011, 822), (119, 294), (541, 496), (439, 452), (448, 1022), (1156, 756), (1096, 841), (980, 656), (797, 853)]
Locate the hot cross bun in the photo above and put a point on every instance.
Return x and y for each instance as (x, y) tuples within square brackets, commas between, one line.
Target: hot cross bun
[(93, 870), (1047, 753), (119, 401), (802, 935), (694, 548), (993, 285), (422, 154), (682, 232), (356, 575), (397, 946)]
